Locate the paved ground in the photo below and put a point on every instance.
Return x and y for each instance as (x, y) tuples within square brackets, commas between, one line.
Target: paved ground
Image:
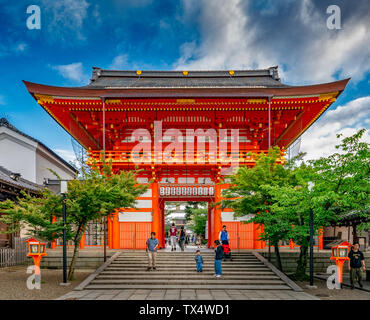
[(13, 284), (347, 282), (88, 292), (326, 294), (140, 294), (321, 293)]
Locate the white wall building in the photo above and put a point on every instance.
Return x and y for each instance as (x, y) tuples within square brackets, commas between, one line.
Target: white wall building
[(20, 153)]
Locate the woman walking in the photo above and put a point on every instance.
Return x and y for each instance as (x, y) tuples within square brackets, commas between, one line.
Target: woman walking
[(182, 235), (199, 240)]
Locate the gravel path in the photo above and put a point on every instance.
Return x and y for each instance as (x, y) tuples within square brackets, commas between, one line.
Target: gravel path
[(324, 293), (13, 284)]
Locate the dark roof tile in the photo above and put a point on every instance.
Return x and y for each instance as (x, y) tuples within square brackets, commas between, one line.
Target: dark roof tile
[(265, 78)]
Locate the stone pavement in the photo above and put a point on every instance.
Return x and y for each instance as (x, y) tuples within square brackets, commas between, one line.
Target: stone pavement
[(123, 277), (186, 294)]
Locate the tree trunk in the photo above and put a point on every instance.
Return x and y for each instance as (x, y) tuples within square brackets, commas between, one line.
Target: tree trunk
[(76, 250), (278, 258), (355, 238), (300, 273)]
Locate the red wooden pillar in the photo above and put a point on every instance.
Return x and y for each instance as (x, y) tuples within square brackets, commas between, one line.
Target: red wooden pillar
[(217, 224), (156, 227), (258, 229), (82, 242), (161, 228), (321, 238), (54, 242), (116, 233), (210, 218), (110, 234)]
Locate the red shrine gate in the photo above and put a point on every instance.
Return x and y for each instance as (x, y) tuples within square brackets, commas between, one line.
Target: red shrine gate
[(184, 129)]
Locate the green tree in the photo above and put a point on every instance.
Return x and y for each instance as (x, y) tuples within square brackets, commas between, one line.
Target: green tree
[(189, 209), (97, 194), (341, 184), (248, 195), (200, 217)]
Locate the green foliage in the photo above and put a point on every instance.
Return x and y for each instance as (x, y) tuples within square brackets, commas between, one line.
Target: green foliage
[(200, 217), (277, 192), (249, 193), (35, 214), (190, 206), (96, 194)]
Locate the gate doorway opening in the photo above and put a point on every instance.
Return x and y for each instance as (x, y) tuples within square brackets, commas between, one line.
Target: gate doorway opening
[(193, 216)]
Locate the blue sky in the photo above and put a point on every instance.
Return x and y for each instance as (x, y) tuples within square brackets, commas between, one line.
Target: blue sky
[(187, 35)]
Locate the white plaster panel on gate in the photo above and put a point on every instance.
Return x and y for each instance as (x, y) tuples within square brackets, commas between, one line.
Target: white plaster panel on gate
[(143, 203), (147, 193), (187, 180), (229, 216), (135, 217)]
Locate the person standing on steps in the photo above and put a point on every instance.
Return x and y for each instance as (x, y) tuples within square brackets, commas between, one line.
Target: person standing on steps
[(199, 241), (223, 236), (173, 232), (182, 235), (151, 249), (219, 253), (199, 261), (356, 262)]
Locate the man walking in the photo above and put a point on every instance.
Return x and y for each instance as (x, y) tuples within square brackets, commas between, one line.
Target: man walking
[(151, 248), (173, 233), (356, 262)]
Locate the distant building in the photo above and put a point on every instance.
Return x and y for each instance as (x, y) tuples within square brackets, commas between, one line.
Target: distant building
[(24, 164), (11, 185), (27, 156)]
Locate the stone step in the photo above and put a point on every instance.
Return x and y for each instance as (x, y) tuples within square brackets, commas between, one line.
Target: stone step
[(213, 280), (220, 286), (190, 272), (190, 268), (182, 259), (179, 253), (187, 263), (194, 275), (182, 256), (184, 268)]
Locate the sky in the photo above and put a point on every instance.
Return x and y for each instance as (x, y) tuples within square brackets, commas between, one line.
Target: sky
[(76, 35)]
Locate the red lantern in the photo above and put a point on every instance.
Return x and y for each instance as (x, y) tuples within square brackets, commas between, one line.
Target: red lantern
[(36, 250), (339, 254)]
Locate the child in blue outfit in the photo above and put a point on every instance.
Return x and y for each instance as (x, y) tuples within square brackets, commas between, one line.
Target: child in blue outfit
[(199, 261)]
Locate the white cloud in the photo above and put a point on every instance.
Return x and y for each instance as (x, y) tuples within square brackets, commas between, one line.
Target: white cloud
[(65, 18), (67, 155), (21, 47), (119, 62), (73, 72), (294, 35), (2, 100), (320, 139)]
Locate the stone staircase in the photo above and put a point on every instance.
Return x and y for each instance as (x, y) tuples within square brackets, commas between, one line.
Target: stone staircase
[(176, 270)]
